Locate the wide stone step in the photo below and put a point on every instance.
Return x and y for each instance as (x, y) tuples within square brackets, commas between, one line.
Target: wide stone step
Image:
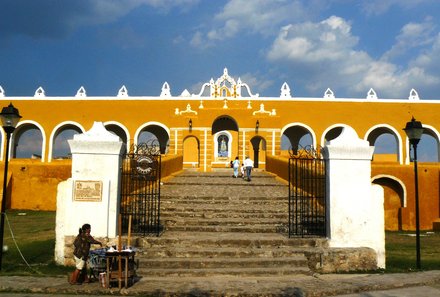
[(171, 213), (226, 239), (224, 191), (250, 229), (199, 263), (254, 271), (190, 221), (220, 252)]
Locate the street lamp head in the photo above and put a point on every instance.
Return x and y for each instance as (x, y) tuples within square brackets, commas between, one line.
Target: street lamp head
[(414, 131), (9, 117)]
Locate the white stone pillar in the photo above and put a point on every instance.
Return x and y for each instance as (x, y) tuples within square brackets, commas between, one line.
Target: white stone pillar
[(354, 206), (91, 195)]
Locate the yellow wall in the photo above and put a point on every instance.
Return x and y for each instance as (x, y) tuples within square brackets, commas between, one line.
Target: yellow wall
[(397, 215), (33, 184)]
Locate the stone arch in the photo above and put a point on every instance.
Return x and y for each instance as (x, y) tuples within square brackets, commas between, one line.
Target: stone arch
[(378, 130), (224, 127), (423, 148), (294, 132), (332, 132), (28, 141), (57, 131), (395, 199), (224, 122), (154, 130), (191, 152), (119, 130), (259, 149)]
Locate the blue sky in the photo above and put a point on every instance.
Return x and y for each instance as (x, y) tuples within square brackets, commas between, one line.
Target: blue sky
[(349, 46)]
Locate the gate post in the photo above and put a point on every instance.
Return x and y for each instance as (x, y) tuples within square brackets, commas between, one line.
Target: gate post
[(91, 195), (354, 206)]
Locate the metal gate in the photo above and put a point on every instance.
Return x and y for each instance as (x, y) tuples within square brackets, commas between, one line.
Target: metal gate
[(307, 193), (140, 189)]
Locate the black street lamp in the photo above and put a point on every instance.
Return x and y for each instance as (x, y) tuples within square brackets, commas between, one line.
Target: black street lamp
[(414, 131), (9, 117)]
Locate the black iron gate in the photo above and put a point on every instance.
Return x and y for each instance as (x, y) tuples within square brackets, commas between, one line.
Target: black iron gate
[(307, 193), (140, 189)]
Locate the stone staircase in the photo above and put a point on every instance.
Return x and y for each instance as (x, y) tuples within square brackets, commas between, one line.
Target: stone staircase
[(217, 225)]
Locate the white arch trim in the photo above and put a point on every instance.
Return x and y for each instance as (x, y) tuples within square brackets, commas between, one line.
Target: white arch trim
[(396, 133), (396, 180), (340, 125), (308, 128), (139, 130), (43, 134), (127, 133), (55, 130), (428, 127), (216, 136)]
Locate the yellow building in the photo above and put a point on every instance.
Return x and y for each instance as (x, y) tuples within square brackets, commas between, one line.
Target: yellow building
[(224, 120)]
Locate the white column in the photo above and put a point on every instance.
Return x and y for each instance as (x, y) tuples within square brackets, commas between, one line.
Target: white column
[(354, 207), (91, 195)]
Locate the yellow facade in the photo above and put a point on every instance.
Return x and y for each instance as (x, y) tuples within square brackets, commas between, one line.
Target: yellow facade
[(194, 127)]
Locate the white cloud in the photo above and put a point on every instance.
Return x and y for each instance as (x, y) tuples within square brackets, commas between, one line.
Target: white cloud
[(326, 52), (252, 17), (377, 7), (412, 35)]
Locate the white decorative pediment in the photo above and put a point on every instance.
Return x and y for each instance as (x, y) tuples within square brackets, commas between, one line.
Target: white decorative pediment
[(2, 92), (166, 91), (329, 94), (40, 93), (263, 111), (188, 110), (123, 92), (97, 133), (225, 87), (413, 95), (81, 92), (285, 91), (371, 94)]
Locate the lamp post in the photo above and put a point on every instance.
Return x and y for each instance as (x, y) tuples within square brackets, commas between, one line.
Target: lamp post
[(9, 117), (414, 131)]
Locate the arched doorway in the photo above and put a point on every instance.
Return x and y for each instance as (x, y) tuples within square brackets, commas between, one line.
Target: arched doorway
[(225, 141), (191, 152), (394, 201), (259, 148)]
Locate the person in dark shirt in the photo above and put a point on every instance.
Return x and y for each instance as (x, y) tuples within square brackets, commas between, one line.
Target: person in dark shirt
[(82, 244)]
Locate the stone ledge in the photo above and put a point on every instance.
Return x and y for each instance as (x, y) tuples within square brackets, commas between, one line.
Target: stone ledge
[(342, 260)]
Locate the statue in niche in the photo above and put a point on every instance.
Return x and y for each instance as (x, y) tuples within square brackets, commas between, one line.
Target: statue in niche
[(223, 146)]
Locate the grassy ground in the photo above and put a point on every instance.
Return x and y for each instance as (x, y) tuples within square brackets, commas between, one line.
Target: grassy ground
[(34, 232), (401, 251)]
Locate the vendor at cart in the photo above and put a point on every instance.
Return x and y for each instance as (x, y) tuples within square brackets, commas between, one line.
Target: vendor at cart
[(82, 244)]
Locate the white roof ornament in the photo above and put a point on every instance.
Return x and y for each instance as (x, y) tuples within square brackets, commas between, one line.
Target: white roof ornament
[(329, 94), (413, 95), (166, 91), (225, 86), (285, 91), (185, 93), (2, 92), (40, 93), (371, 94), (123, 92), (81, 92)]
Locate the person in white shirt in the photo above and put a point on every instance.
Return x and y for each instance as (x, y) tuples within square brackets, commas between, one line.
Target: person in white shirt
[(248, 165)]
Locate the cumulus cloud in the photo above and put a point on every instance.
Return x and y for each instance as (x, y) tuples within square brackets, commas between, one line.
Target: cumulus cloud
[(253, 17), (326, 52)]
